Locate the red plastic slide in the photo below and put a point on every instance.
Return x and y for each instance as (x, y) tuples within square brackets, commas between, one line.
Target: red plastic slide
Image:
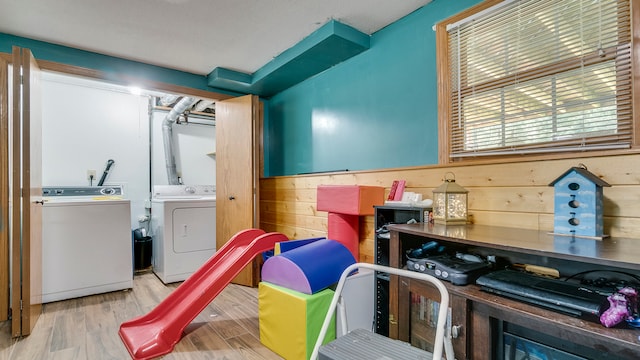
[(157, 332)]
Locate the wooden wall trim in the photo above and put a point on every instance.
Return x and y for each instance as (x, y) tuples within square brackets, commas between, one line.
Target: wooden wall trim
[(126, 80), (444, 88)]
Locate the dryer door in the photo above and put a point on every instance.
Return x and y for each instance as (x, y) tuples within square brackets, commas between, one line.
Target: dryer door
[(194, 229)]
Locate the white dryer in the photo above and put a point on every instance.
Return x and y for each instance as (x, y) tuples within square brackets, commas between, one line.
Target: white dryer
[(183, 225)]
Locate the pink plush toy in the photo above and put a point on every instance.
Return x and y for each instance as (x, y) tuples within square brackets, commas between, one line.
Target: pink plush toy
[(632, 298), (622, 306)]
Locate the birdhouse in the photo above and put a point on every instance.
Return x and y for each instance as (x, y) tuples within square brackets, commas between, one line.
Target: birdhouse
[(578, 203)]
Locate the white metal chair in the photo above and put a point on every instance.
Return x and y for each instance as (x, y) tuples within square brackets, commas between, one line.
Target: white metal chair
[(442, 339)]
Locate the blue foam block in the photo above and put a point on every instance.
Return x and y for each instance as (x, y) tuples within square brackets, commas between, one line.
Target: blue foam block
[(310, 268)]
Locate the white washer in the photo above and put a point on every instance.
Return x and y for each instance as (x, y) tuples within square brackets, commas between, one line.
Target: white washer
[(86, 242), (183, 224)]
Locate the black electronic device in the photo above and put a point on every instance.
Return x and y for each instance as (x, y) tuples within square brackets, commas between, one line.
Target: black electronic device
[(563, 296), (455, 269)]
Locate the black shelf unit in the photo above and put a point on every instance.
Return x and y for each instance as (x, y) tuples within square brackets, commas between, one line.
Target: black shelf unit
[(384, 215)]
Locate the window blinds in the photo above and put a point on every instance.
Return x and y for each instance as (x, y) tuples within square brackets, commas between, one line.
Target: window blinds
[(541, 76)]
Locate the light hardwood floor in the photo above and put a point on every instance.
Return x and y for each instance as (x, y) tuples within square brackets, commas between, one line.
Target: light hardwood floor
[(87, 327)]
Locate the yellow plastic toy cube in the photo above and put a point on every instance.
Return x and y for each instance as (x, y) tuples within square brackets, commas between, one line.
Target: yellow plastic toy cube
[(290, 321)]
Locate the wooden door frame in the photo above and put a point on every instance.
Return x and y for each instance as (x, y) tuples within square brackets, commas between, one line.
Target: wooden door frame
[(4, 190), (16, 303), (8, 58), (26, 211), (32, 192)]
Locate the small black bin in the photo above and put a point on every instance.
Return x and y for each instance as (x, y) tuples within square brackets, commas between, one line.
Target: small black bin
[(141, 251)]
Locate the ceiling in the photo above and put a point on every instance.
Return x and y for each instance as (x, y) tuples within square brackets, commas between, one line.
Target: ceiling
[(195, 36)]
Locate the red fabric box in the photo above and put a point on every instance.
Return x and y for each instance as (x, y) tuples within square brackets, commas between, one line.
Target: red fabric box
[(349, 199)]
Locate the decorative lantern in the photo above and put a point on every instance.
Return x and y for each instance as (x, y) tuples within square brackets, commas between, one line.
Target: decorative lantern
[(450, 202)]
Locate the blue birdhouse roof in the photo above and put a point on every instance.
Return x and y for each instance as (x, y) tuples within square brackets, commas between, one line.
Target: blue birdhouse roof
[(585, 173)]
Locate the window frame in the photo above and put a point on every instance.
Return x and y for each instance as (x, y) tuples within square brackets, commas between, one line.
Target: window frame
[(444, 99)]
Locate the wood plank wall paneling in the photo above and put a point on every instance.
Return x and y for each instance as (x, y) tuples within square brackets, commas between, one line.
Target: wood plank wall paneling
[(512, 195)]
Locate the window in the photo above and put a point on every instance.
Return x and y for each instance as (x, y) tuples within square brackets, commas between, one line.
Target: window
[(537, 76)]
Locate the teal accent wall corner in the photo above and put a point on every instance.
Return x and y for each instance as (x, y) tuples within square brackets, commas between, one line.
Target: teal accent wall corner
[(376, 110), (116, 70)]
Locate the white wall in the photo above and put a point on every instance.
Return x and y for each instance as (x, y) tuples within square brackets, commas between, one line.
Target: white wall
[(193, 145), (84, 124)]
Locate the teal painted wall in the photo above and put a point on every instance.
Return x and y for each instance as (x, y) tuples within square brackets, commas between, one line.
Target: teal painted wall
[(116, 70), (377, 110)]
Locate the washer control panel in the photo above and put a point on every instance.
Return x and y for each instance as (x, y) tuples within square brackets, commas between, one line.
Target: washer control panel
[(183, 191), (82, 191)]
